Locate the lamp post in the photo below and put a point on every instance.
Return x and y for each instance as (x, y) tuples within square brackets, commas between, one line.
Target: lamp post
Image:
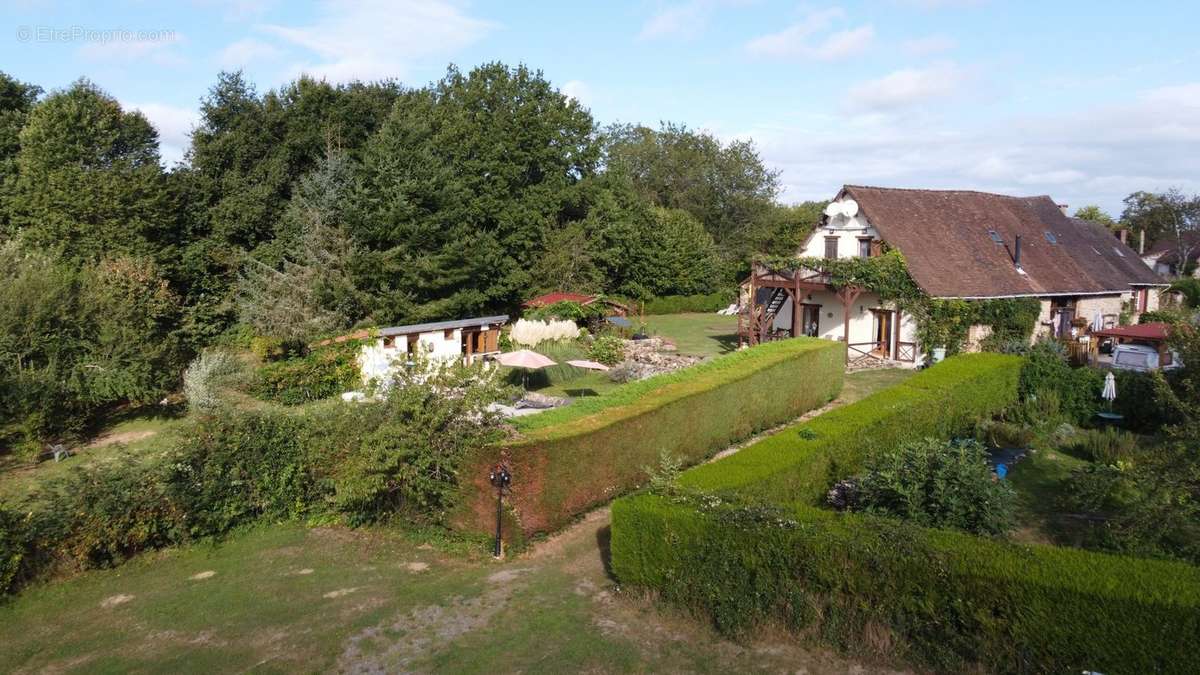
[(500, 478)]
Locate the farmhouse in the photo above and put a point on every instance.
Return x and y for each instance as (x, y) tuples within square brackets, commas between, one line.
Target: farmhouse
[(465, 339), (957, 245), (1164, 256)]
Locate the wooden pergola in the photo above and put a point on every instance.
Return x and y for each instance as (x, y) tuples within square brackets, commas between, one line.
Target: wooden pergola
[(795, 282)]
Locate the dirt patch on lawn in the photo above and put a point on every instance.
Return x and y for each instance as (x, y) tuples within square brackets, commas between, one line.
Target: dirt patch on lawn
[(123, 437)]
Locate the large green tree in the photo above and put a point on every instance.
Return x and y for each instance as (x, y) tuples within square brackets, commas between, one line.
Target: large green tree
[(89, 180), (16, 101), (463, 184), (725, 186)]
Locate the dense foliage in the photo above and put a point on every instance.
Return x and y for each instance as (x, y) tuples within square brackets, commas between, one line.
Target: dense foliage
[(370, 461), (313, 208), (937, 484), (886, 586), (321, 373)]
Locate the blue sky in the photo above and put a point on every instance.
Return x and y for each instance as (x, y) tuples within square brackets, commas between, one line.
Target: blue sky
[(1085, 101)]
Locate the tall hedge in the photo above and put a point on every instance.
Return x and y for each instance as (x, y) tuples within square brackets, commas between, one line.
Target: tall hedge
[(571, 459), (878, 585), (801, 462), (743, 541)]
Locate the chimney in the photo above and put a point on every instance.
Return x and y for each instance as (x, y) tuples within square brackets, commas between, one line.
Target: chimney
[(1064, 208), (1142, 242), (1123, 235), (1017, 253)]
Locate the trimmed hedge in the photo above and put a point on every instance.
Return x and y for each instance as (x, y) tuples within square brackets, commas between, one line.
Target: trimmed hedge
[(677, 304), (801, 463), (875, 584), (949, 599), (573, 458)]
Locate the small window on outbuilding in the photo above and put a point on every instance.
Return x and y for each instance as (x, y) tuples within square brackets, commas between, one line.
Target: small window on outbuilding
[(1051, 238), (996, 237)]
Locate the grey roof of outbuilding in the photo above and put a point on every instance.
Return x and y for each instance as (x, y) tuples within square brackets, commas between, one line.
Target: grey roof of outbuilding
[(500, 319)]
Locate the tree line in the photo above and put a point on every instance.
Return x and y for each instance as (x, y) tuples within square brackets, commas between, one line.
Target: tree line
[(314, 208)]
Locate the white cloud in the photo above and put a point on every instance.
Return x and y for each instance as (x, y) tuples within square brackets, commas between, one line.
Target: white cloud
[(941, 4), (907, 87), (932, 44), (1090, 155), (246, 52), (801, 39), (379, 39), (174, 125), (578, 90)]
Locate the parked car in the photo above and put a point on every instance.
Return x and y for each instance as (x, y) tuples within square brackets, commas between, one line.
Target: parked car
[(1140, 357)]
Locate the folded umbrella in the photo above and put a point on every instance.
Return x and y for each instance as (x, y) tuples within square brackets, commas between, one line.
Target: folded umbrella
[(589, 365)]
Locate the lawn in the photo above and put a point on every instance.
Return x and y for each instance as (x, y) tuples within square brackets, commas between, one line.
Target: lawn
[(287, 598), (696, 334), (693, 334), (142, 436)]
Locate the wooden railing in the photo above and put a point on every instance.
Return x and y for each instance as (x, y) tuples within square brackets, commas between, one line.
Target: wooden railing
[(906, 351), (861, 349)]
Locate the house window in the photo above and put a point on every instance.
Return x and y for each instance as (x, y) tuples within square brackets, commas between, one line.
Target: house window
[(448, 334), (1143, 300), (831, 247), (864, 247)]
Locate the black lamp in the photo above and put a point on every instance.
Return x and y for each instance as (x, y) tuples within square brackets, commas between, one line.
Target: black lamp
[(500, 478)]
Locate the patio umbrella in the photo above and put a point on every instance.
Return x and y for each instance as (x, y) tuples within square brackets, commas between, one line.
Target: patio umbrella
[(1110, 389), (526, 360), (588, 365)]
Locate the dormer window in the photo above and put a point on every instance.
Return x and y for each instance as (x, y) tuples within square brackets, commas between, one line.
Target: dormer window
[(831, 248)]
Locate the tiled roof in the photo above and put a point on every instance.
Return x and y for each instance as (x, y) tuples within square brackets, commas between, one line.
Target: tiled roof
[(551, 298), (1141, 331), (945, 237)]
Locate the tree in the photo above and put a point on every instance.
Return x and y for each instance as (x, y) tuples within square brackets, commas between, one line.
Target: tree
[(1170, 215), (312, 291), (568, 262), (684, 259), (725, 186), (16, 100), (89, 180), (463, 184), (1096, 215)]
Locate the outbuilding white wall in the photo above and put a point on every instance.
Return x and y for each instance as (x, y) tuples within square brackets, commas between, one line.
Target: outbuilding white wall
[(378, 362)]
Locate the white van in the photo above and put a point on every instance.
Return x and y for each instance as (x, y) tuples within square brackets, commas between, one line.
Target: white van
[(1141, 357)]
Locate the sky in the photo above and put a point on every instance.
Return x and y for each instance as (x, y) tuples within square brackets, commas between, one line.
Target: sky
[(1084, 101)]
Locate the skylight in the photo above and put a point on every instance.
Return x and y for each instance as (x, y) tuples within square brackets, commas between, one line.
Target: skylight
[(1118, 252), (1051, 238), (995, 236)]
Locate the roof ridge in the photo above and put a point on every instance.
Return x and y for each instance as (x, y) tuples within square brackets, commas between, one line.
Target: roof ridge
[(947, 190)]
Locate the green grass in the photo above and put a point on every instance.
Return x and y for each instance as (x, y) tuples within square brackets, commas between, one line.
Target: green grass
[(360, 606), (696, 334), (859, 385), (19, 480), (1039, 480)]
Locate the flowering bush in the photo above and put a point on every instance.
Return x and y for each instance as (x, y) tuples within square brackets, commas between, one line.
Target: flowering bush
[(529, 333)]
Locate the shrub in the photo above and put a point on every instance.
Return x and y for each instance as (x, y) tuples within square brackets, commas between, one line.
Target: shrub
[(950, 599), (569, 459), (607, 349), (324, 372), (1140, 400), (567, 310), (409, 464), (267, 348), (1078, 389), (937, 484), (800, 463), (204, 376), (1106, 446), (677, 304), (1001, 434)]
